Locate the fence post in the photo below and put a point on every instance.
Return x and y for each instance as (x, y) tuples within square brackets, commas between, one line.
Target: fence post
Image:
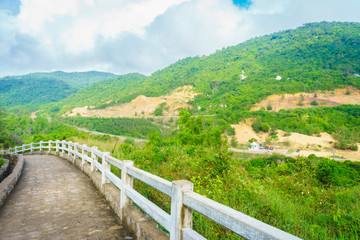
[(75, 150), (15, 150), (57, 146), (126, 183), (93, 158), (31, 147), (106, 168), (50, 146), (181, 216), (69, 149), (83, 154), (63, 145), (23, 149), (41, 145)]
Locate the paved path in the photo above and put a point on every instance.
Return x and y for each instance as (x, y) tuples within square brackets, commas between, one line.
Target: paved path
[(55, 200)]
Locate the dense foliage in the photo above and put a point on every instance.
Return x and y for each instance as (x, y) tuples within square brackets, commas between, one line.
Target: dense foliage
[(4, 133), (33, 91), (133, 127), (42, 88), (105, 93), (25, 130), (76, 79)]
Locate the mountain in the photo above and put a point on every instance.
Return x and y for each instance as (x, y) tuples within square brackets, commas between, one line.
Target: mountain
[(76, 79), (107, 92), (313, 57), (41, 88)]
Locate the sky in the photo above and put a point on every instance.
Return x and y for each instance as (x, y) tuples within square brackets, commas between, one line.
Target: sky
[(123, 36)]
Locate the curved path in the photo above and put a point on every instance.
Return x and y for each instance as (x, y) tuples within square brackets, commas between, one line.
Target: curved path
[(55, 200)]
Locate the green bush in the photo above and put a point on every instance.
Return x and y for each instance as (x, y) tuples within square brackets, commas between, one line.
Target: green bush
[(265, 127), (330, 172), (158, 111), (314, 103), (2, 161), (257, 125), (231, 131)]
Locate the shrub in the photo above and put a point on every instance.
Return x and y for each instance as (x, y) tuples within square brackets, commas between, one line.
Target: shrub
[(330, 172), (265, 127), (158, 111), (346, 146), (257, 125), (2, 161), (231, 131), (314, 103), (233, 142)]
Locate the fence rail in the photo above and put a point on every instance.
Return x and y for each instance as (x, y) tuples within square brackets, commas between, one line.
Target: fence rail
[(183, 199)]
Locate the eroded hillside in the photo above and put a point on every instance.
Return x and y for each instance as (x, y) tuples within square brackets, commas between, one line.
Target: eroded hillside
[(337, 97), (143, 106)]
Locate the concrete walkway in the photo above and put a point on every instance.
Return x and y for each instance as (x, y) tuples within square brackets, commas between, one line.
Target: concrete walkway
[(55, 200)]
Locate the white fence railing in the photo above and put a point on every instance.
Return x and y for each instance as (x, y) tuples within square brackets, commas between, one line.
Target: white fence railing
[(183, 199)]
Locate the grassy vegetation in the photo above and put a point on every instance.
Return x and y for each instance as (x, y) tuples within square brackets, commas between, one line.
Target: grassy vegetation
[(133, 127), (2, 161)]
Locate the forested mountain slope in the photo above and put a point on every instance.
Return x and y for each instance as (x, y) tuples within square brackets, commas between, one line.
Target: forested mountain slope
[(40, 88), (316, 56), (107, 92), (76, 79)]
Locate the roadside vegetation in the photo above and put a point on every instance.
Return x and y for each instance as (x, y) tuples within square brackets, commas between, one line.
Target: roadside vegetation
[(2, 161)]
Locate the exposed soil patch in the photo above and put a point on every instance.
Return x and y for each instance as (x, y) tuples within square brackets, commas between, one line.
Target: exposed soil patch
[(304, 100), (143, 106), (321, 145)]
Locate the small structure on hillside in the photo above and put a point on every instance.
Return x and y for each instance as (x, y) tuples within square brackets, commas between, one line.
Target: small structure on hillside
[(255, 146)]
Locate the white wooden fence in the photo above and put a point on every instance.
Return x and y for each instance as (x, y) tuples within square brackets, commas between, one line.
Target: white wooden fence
[(183, 199)]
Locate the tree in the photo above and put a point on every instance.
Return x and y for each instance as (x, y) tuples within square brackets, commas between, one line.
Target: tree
[(4, 134)]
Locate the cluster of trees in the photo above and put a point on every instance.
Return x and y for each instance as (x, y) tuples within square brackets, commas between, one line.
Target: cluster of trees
[(133, 127), (17, 130), (343, 122), (4, 134)]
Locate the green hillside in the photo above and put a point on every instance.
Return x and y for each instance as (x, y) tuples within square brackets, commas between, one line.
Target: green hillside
[(76, 79), (124, 87), (41, 88), (316, 56), (33, 91)]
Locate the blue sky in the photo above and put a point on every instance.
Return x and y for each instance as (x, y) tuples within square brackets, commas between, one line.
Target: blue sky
[(242, 3), (143, 35), (10, 5)]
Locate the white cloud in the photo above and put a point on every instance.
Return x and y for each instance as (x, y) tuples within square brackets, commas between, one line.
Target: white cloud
[(143, 35)]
